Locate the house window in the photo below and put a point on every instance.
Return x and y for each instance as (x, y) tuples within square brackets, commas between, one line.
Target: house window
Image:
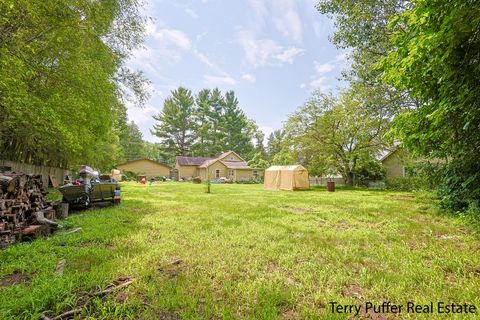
[(232, 158), (255, 174), (217, 174), (231, 172)]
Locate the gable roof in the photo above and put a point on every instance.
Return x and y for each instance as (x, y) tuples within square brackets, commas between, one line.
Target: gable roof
[(191, 161), (203, 162), (135, 160), (225, 154), (235, 164)]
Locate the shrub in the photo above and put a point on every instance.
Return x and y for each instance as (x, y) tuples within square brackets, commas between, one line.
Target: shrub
[(250, 181), (129, 176), (369, 171), (459, 186)]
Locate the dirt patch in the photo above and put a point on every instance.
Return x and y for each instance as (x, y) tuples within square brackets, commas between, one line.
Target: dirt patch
[(290, 315), (322, 223), (447, 237), (403, 196), (372, 315), (167, 315), (172, 269), (17, 277), (423, 219), (342, 225), (352, 291), (122, 297), (296, 209)]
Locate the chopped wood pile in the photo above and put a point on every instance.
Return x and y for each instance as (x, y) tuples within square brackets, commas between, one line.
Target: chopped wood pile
[(24, 210)]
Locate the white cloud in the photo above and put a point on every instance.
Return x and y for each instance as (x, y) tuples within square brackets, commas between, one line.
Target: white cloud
[(219, 80), (323, 68), (341, 57), (290, 25), (141, 115), (289, 54), (302, 85), (282, 13), (261, 52), (248, 77), (204, 59), (266, 130), (318, 82), (173, 37), (318, 29), (189, 11), (201, 35)]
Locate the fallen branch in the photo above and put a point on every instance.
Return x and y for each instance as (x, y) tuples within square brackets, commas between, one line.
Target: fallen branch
[(85, 300), (63, 315), (111, 289), (73, 231)]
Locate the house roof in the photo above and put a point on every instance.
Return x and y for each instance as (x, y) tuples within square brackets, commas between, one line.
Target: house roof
[(191, 161), (235, 164), (208, 162), (135, 160), (203, 162), (385, 154)]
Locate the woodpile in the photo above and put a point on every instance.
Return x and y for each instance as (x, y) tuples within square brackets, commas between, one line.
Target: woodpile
[(24, 210)]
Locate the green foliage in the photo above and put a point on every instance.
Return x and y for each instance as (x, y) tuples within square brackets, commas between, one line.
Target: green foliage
[(258, 161), (435, 57), (334, 133), (61, 74), (204, 125), (175, 124), (369, 170), (129, 175), (274, 144), (459, 185), (249, 181)]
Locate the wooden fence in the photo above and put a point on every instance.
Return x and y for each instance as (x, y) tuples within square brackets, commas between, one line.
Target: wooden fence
[(45, 172), (322, 181)]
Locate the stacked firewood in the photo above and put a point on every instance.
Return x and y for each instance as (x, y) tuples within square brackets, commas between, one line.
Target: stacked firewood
[(24, 210)]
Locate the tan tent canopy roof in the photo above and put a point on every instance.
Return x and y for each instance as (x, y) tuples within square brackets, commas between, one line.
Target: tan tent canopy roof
[(287, 168), (294, 177)]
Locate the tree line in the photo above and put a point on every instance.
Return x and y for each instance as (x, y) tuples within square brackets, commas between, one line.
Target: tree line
[(205, 124), (63, 80), (421, 58)]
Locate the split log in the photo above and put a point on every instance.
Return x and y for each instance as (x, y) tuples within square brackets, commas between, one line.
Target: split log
[(23, 204)]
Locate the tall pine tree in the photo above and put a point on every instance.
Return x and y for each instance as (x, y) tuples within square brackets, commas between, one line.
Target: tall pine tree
[(175, 124)]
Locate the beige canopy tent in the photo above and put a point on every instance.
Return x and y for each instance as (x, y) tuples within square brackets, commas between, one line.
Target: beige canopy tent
[(286, 178)]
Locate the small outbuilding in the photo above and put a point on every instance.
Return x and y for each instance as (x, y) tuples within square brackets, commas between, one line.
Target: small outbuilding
[(148, 168), (286, 178)]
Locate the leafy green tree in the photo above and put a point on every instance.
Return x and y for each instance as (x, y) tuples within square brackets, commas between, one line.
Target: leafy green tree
[(335, 133), (133, 145), (175, 124), (435, 57), (258, 162), (62, 70)]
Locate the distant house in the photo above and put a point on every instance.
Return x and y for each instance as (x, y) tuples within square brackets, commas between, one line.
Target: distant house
[(147, 167), (395, 163), (228, 165)]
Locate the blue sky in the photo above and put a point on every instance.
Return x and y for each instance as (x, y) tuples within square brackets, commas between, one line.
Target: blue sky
[(272, 53)]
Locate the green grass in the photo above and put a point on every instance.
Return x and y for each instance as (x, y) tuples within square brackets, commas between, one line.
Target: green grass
[(242, 253)]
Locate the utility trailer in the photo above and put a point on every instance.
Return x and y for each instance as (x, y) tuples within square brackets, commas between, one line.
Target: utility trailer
[(89, 188)]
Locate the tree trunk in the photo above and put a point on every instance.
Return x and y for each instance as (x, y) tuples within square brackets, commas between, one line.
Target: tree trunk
[(349, 179)]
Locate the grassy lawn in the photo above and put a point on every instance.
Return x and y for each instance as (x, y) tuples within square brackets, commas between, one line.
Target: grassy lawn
[(244, 253)]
